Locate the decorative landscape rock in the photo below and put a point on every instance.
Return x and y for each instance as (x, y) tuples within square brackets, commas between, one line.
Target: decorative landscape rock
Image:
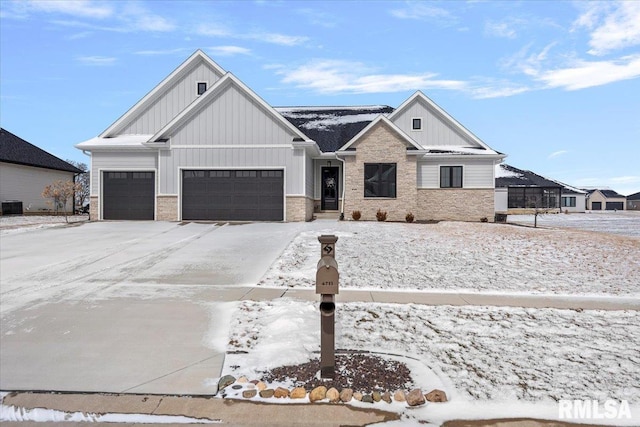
[(318, 393), (377, 397), (248, 394), (333, 395), (346, 395), (436, 396), (357, 396), (260, 385), (242, 380), (267, 393), (386, 396), (399, 396), (367, 398), (298, 393), (236, 386), (226, 381), (281, 392), (415, 397)]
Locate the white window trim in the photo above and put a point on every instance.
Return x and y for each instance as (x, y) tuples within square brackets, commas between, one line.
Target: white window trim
[(421, 124), (198, 83)]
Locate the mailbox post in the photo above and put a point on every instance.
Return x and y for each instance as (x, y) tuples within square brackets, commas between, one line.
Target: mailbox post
[(327, 278)]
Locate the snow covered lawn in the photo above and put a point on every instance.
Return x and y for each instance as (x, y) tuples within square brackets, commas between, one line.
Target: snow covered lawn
[(466, 256), (19, 223), (512, 357), (624, 223)]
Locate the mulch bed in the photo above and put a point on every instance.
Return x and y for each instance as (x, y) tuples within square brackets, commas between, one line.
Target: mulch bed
[(365, 373)]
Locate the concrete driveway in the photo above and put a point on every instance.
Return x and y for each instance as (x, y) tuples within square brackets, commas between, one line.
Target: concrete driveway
[(126, 306)]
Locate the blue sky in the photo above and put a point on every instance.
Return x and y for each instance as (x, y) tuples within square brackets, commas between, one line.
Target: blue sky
[(554, 85)]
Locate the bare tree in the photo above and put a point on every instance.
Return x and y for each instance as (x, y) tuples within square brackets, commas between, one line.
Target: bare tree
[(59, 193), (82, 195)]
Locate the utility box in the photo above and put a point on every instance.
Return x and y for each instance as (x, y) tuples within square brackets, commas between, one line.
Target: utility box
[(327, 276)]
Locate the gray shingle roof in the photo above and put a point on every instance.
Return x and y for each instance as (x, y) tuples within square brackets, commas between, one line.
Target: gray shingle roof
[(514, 177), (634, 196), (14, 149), (332, 127)]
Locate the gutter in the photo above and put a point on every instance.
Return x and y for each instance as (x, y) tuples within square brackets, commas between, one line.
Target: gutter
[(344, 184)]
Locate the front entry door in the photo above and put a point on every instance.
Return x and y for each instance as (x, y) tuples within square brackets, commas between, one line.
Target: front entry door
[(329, 189)]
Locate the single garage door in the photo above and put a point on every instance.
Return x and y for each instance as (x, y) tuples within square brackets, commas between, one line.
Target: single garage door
[(128, 195), (233, 195), (613, 206)]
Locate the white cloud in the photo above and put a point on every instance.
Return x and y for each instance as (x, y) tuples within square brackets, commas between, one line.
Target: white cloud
[(79, 8), (424, 12), (614, 25), (280, 39), (96, 60), (498, 91), (337, 76), (213, 30), (584, 74), (557, 154), (228, 50), (501, 29), (179, 50), (219, 30)]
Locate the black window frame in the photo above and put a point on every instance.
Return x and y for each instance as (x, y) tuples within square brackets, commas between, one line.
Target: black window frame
[(418, 121), (569, 201), (448, 178), (380, 180), (203, 86)]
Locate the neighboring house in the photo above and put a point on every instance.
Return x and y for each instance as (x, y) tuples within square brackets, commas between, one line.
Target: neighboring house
[(605, 199), (25, 170), (203, 146), (633, 202), (519, 190)]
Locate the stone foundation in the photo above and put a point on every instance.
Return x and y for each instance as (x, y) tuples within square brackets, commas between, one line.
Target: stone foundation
[(455, 204), (299, 208), (167, 208), (94, 208)]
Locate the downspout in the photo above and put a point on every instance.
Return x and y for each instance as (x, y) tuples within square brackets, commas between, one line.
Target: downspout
[(344, 184)]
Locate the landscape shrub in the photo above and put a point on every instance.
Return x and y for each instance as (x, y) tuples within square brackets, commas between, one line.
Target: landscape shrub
[(409, 217), (381, 215), (356, 215)]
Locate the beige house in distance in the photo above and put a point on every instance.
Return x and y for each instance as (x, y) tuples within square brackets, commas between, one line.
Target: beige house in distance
[(605, 199), (203, 146)]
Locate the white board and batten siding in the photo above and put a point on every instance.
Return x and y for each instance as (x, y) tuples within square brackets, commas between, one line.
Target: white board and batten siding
[(476, 173), (435, 129), (163, 109), (120, 161), (25, 184), (232, 118)]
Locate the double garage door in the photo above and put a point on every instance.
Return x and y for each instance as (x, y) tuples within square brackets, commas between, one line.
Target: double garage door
[(216, 195), (233, 195)]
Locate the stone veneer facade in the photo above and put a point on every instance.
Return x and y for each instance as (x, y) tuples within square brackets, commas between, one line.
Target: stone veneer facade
[(166, 208), (380, 145), (299, 208), (455, 204), (94, 208)]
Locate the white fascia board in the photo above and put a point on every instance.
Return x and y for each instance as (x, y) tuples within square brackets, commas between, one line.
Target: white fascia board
[(388, 122), (497, 157), (309, 146), (123, 142), (446, 116), (161, 87)]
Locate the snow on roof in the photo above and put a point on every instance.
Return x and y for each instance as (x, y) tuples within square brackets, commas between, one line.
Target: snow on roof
[(294, 110), (458, 150), (503, 172), (120, 141)]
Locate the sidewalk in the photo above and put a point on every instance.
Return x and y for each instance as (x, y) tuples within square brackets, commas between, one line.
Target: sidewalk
[(573, 302), (191, 410)]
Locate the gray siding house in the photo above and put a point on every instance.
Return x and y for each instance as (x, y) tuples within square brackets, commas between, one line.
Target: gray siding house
[(24, 172), (203, 146)]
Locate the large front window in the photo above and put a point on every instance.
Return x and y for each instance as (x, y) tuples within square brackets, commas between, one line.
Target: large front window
[(534, 197), (450, 176), (380, 180)]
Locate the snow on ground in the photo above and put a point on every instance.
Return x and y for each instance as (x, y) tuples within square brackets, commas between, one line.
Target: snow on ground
[(466, 256), (19, 223), (506, 359), (625, 223)]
